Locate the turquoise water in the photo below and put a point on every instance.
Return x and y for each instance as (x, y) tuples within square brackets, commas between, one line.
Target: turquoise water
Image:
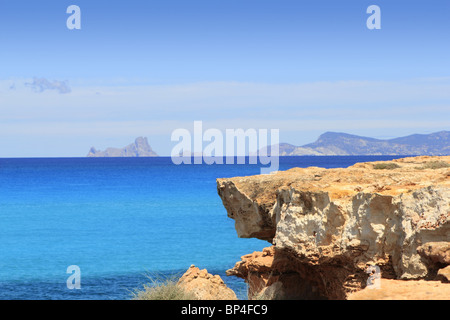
[(118, 219)]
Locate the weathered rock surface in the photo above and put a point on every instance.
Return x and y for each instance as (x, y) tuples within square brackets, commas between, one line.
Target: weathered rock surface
[(328, 225), (444, 274), (140, 148), (438, 252), (404, 290), (275, 276), (205, 286)]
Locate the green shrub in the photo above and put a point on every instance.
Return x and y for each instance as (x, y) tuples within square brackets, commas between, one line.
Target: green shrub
[(386, 166), (436, 165)]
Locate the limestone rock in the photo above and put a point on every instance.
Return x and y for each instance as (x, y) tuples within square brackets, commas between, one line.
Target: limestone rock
[(205, 286), (405, 290), (438, 252), (444, 275), (331, 224), (274, 276)]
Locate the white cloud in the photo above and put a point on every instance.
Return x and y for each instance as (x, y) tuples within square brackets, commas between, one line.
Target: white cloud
[(372, 107), (223, 100), (42, 84)]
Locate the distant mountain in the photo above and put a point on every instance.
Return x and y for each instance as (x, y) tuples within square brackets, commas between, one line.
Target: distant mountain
[(335, 143), (140, 148)]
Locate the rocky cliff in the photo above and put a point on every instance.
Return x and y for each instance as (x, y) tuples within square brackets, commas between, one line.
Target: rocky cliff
[(140, 148), (205, 286), (335, 230)]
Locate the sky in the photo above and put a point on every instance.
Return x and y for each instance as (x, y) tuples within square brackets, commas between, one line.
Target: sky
[(147, 68)]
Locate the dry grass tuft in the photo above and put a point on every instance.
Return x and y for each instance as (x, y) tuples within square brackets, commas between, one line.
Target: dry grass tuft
[(162, 288)]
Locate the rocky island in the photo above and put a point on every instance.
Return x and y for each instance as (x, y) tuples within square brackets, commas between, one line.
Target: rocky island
[(331, 232), (140, 148)]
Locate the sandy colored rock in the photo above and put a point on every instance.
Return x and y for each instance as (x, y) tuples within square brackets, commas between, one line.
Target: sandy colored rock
[(405, 290), (438, 252), (444, 274), (274, 276), (205, 286), (331, 224), (258, 270), (250, 200)]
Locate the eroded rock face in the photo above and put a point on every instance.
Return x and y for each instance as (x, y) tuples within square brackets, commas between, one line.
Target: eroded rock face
[(404, 290), (205, 286), (273, 275), (331, 224), (438, 252)]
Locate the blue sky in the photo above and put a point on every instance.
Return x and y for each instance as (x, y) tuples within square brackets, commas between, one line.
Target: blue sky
[(146, 68)]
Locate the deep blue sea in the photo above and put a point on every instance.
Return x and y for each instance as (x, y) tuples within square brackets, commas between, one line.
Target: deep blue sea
[(119, 220)]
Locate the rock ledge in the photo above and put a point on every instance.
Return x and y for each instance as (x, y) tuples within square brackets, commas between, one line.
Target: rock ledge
[(328, 227)]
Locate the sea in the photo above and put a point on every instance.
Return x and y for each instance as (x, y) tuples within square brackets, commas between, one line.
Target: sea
[(123, 222)]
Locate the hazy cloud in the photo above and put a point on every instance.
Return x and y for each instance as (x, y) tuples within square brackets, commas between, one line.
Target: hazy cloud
[(42, 84), (301, 111)]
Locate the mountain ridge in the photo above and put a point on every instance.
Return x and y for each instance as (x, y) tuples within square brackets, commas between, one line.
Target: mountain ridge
[(328, 144), (340, 143)]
